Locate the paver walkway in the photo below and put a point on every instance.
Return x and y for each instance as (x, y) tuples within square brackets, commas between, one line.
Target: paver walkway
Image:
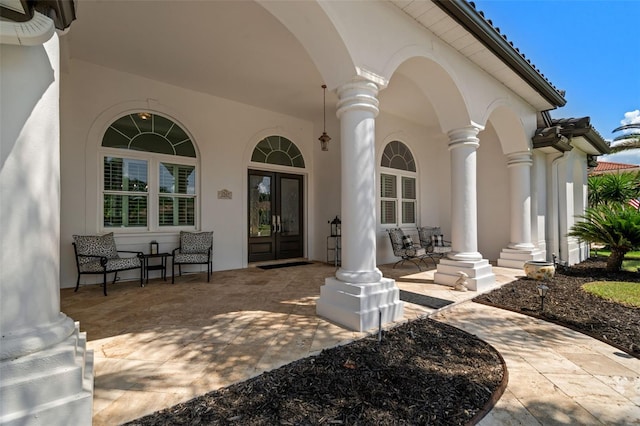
[(556, 376), (163, 344)]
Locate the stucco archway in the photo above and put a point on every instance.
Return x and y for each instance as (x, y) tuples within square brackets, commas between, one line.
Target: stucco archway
[(443, 103), (328, 53)]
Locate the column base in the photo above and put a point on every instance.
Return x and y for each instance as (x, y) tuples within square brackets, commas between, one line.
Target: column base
[(359, 306), (513, 258), (481, 276), (53, 386)]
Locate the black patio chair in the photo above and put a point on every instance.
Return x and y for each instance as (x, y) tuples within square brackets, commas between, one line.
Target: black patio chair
[(431, 239), (97, 254), (196, 248), (405, 249)]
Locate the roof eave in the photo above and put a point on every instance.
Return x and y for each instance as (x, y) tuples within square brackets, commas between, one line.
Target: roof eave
[(572, 127), (597, 141), (467, 16), (551, 137)]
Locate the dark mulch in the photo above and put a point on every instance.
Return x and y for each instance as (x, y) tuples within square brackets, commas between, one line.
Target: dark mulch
[(422, 372), (567, 304)]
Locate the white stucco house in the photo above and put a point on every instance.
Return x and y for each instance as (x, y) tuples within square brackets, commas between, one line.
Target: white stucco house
[(145, 118)]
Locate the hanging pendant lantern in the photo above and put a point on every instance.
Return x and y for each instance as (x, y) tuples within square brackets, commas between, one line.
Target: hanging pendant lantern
[(325, 138)]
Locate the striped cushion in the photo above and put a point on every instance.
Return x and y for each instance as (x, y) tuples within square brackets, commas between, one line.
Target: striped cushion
[(437, 240), (407, 242)]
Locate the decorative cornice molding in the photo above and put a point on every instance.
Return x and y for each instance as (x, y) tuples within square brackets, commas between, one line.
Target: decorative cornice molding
[(359, 94), (34, 32), (465, 136), (522, 158)]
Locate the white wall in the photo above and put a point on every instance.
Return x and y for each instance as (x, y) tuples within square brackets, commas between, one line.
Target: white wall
[(539, 201), (429, 148), (327, 179), (493, 196), (224, 131)]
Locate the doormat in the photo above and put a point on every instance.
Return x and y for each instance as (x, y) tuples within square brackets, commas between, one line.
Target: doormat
[(421, 299), (284, 265)]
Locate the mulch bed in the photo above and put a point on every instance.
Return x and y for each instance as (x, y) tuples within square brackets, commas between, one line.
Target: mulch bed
[(569, 305), (420, 373)]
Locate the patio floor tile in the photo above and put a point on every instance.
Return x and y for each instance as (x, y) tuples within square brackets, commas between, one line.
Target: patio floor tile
[(162, 344)]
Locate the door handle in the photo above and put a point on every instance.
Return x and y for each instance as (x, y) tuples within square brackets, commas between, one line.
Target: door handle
[(279, 225), (274, 226)]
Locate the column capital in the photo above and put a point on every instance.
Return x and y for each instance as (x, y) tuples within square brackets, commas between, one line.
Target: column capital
[(358, 94), (520, 158), (465, 136)]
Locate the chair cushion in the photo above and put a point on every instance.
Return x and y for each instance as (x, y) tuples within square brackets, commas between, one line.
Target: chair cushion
[(407, 242), (396, 237), (195, 242), (122, 263), (425, 233), (117, 264), (190, 258), (442, 250), (95, 245), (437, 240), (91, 265)]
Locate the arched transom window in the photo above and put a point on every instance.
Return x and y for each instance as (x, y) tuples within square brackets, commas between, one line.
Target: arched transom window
[(398, 192), (144, 131), (396, 155), (278, 150), (149, 171)]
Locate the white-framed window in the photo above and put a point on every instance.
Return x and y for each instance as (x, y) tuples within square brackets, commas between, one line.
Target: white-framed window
[(149, 175), (398, 186)]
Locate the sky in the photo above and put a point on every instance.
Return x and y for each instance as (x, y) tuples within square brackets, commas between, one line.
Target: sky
[(589, 48)]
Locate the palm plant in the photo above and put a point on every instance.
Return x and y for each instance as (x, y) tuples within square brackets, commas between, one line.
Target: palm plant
[(595, 185), (616, 226), (620, 187), (627, 141), (614, 188)]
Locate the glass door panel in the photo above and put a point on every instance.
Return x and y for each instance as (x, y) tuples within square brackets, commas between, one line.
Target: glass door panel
[(260, 217), (290, 202), (275, 216)]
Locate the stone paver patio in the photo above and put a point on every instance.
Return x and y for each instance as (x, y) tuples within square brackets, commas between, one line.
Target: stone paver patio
[(163, 344)]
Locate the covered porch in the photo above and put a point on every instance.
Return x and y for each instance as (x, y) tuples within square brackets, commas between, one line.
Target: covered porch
[(163, 344), (231, 76), (465, 161)]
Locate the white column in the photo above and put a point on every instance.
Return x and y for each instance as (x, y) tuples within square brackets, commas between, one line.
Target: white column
[(464, 257), (539, 203), (359, 297), (46, 374), (520, 249), (463, 144)]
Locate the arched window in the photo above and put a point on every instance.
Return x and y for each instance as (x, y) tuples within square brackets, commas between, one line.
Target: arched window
[(278, 150), (398, 191), (396, 155), (149, 174)]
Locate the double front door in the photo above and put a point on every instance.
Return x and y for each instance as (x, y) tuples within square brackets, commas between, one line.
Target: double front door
[(275, 216)]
